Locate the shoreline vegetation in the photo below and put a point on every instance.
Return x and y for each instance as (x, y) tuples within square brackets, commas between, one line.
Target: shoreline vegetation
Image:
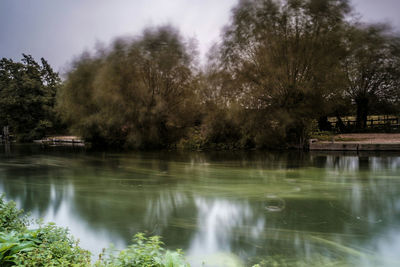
[(283, 71), (50, 245), (322, 141)]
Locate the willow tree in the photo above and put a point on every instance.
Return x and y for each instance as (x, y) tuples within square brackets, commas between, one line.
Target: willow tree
[(137, 93), (372, 69), (285, 58)]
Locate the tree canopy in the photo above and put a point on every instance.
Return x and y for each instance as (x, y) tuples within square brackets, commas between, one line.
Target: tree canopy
[(285, 59), (138, 93), (27, 97), (372, 70)]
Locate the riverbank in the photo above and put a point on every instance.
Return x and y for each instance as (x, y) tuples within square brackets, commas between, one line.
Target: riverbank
[(340, 142), (358, 142)]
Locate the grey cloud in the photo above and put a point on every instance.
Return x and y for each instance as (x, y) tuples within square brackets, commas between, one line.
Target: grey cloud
[(60, 30)]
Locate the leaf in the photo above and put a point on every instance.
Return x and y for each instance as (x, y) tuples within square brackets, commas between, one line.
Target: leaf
[(6, 246), (21, 246)]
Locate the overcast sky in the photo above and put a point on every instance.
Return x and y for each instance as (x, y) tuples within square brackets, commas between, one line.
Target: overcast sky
[(58, 30)]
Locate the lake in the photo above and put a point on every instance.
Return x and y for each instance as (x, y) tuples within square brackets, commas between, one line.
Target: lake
[(221, 208)]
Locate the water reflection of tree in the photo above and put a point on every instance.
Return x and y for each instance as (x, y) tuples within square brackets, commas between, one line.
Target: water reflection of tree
[(32, 183), (368, 199)]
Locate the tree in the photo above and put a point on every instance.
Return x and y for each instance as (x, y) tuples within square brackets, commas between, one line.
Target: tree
[(27, 97), (372, 69), (285, 59), (139, 93)]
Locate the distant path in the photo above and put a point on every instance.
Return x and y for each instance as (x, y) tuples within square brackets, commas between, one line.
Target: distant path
[(358, 142), (369, 138)]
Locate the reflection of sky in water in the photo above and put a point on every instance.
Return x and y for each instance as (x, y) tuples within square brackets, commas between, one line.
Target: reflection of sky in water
[(63, 215), (216, 221), (388, 246), (345, 208)]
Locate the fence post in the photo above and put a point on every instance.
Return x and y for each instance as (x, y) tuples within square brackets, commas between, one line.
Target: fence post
[(6, 134)]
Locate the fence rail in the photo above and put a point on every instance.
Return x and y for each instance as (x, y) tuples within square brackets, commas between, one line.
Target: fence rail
[(372, 121)]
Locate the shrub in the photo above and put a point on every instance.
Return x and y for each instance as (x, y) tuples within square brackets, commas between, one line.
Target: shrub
[(47, 246), (145, 251), (11, 218), (54, 247)]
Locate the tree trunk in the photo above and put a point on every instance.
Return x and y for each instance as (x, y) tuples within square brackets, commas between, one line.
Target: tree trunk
[(339, 124), (324, 124), (362, 103)]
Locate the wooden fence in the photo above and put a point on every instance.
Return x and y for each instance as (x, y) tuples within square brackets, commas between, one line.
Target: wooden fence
[(375, 121)]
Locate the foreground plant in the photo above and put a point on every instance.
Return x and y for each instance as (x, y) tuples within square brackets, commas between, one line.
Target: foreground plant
[(145, 251), (13, 243), (11, 218), (55, 246)]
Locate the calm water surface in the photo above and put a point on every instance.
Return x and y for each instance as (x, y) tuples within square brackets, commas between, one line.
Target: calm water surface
[(222, 209)]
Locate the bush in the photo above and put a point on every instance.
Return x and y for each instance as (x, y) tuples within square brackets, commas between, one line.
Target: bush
[(54, 247), (146, 252), (11, 218), (47, 246), (194, 140)]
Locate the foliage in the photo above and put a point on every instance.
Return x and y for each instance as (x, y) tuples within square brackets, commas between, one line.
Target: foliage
[(11, 218), (138, 94), (143, 252), (14, 243), (285, 64), (281, 66), (54, 247), (222, 127), (47, 246), (372, 70), (50, 245), (27, 97), (284, 57), (194, 140)]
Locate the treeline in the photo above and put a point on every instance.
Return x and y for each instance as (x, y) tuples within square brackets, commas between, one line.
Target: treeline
[(281, 69)]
